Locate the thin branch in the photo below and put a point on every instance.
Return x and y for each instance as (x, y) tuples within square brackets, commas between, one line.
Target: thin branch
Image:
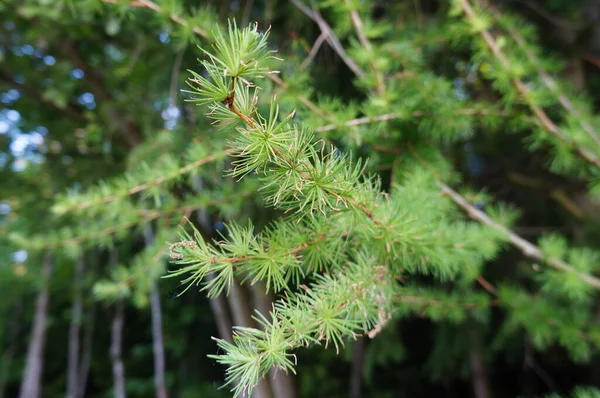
[(391, 116), (145, 216), (314, 50), (69, 49), (526, 247), (247, 12), (200, 32), (548, 81), (174, 73), (543, 118), (553, 19), (331, 38), (157, 181), (362, 37), (156, 8)]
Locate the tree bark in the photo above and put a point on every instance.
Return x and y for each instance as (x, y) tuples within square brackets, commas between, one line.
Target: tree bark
[(31, 382), (242, 316), (282, 383), (231, 309), (481, 387), (358, 363), (74, 327), (116, 336), (12, 345), (157, 334), (86, 355), (218, 305)]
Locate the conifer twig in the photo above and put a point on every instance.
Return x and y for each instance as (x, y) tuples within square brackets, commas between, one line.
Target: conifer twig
[(331, 37), (527, 248), (156, 8), (548, 81), (314, 50), (156, 181), (145, 216), (391, 116), (362, 37), (541, 115)]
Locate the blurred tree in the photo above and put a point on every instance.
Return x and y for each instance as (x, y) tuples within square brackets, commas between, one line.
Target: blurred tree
[(264, 198)]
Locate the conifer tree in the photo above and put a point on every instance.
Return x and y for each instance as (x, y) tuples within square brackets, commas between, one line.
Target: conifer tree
[(328, 197)]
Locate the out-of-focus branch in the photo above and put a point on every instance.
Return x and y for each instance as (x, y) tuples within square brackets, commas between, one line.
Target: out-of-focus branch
[(362, 37), (331, 38), (72, 111), (314, 50), (527, 248), (549, 82), (541, 115), (132, 135)]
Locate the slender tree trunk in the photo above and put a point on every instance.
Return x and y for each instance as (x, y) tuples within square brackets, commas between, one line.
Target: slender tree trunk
[(481, 387), (116, 336), (86, 354), (157, 335), (31, 382), (157, 343), (358, 363), (11, 346), (242, 316), (75, 326), (232, 309), (218, 305), (220, 310), (282, 383)]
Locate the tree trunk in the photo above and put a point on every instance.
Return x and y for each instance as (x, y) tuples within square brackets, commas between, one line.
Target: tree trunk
[(116, 336), (86, 355), (31, 382), (481, 388), (12, 342), (282, 383), (232, 309), (75, 326), (358, 363), (242, 316), (157, 335), (219, 306)]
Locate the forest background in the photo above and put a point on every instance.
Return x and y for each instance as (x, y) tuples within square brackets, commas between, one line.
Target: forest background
[(479, 122)]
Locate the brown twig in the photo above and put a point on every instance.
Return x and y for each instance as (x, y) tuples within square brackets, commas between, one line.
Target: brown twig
[(331, 38), (548, 81), (156, 8), (157, 181), (314, 50), (362, 37), (131, 133), (391, 116), (526, 247), (541, 115)]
